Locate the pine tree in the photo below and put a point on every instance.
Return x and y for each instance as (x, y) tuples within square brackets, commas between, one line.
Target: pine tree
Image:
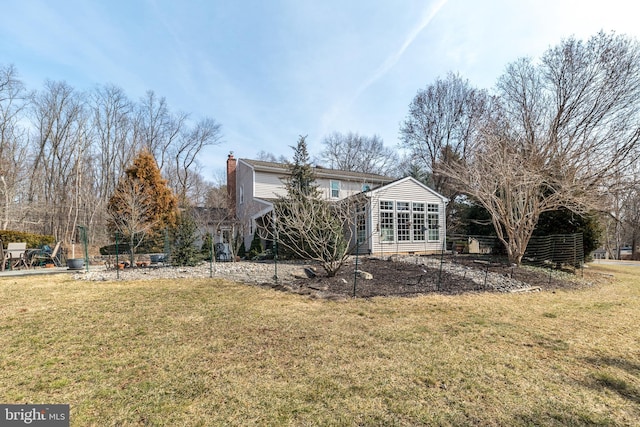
[(184, 251), (301, 182)]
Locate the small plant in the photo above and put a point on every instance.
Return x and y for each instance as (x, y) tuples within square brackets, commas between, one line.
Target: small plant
[(207, 244), (256, 246)]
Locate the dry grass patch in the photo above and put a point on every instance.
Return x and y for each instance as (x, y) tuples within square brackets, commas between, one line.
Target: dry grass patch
[(209, 352)]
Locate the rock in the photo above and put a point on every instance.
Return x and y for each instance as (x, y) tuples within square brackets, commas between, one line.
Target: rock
[(364, 275), (310, 272), (300, 273)]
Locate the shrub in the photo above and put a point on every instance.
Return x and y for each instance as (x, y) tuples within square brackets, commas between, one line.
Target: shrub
[(33, 240)]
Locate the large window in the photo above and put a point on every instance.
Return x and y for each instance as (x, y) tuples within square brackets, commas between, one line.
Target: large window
[(433, 221), (386, 221), (418, 222), (361, 224), (409, 221), (404, 221)]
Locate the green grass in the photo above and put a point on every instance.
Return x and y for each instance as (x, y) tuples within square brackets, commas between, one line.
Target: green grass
[(209, 352)]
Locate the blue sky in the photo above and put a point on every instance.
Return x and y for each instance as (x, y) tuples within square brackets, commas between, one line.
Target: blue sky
[(271, 70)]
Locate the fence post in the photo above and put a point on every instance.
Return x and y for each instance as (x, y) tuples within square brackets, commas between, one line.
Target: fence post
[(212, 253), (355, 272), (444, 242), (83, 236), (275, 248), (117, 260)]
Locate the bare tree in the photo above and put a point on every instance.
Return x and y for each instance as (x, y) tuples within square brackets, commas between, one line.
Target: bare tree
[(270, 157), (59, 170), (13, 144), (561, 130), (134, 216), (316, 230), (629, 214), (358, 153), (157, 128), (443, 119), (60, 119), (308, 226), (113, 126), (205, 133)]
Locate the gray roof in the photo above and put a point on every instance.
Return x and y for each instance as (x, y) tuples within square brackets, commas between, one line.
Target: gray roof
[(320, 172)]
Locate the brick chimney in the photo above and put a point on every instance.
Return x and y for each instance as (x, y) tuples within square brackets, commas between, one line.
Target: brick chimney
[(231, 183)]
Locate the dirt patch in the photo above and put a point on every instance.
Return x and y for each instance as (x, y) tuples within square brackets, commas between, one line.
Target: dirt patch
[(421, 275)]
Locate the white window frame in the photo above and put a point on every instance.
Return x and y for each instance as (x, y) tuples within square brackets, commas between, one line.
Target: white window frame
[(361, 224), (387, 220), (433, 217), (419, 221), (403, 221), (335, 183)]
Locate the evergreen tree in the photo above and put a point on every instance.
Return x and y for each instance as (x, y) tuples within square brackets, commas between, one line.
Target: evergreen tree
[(184, 251), (301, 182), (256, 246), (142, 205), (206, 248), (563, 221), (242, 252)]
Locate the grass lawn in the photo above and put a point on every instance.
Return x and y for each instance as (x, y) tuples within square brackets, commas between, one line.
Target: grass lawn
[(209, 352)]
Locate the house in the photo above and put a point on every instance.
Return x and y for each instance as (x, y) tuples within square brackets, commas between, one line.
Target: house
[(398, 216)]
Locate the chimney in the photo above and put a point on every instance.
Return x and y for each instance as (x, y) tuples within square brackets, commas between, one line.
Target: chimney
[(231, 183)]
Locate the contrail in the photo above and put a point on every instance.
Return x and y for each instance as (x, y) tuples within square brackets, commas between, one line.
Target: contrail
[(389, 63), (392, 60)]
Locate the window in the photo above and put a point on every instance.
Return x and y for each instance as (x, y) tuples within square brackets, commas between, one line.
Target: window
[(361, 224), (335, 189), (433, 221), (386, 221), (418, 222), (241, 194), (404, 221), (409, 221)]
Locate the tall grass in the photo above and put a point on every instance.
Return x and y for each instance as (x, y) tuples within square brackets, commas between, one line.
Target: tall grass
[(209, 352)]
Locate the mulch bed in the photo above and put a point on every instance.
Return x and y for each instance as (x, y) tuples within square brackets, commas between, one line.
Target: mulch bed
[(399, 278)]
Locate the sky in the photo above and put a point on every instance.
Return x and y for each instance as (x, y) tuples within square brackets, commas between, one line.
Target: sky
[(271, 70)]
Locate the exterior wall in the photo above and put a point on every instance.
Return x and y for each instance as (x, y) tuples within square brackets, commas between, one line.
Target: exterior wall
[(269, 185), (347, 188), (405, 191), (244, 187)]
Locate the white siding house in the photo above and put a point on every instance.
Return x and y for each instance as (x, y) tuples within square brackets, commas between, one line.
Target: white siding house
[(399, 216)]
